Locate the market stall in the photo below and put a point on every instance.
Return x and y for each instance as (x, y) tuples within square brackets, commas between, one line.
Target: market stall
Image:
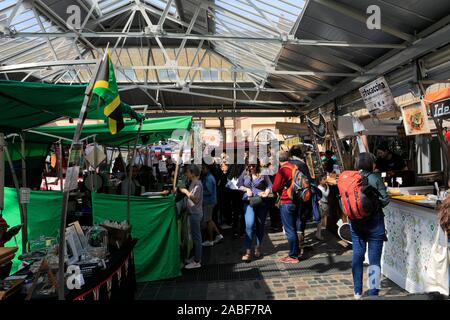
[(157, 254)]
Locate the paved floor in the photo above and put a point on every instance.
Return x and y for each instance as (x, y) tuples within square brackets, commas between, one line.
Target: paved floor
[(323, 273)]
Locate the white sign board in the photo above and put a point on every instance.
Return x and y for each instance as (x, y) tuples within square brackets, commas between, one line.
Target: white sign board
[(377, 96)]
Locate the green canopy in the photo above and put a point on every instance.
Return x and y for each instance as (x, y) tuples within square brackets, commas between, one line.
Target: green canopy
[(26, 105), (30, 104), (153, 129)]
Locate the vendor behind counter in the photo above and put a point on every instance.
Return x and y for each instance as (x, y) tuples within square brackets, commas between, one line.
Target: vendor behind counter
[(388, 161)]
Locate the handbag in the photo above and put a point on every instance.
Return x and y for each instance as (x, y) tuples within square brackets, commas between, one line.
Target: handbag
[(256, 201)]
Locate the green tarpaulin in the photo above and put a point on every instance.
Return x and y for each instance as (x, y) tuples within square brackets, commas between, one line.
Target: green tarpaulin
[(154, 223), (44, 211), (25, 105), (153, 129), (30, 104)]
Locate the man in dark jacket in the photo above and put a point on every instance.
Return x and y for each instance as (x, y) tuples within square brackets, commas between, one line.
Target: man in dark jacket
[(306, 209)]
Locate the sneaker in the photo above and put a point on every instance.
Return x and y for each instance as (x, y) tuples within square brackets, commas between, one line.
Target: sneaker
[(187, 261), (219, 238), (225, 226), (288, 259), (208, 243), (193, 265), (357, 296)]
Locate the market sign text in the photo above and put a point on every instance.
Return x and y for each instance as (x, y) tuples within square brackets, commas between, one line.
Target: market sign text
[(377, 96), (441, 109)]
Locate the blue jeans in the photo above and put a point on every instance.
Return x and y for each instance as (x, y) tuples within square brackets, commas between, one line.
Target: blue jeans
[(195, 220), (369, 232), (253, 215), (289, 215)]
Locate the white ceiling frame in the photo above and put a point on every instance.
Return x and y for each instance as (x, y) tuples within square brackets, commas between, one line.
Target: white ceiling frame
[(255, 102), (164, 14), (211, 37), (18, 8), (238, 17), (199, 47), (188, 31)]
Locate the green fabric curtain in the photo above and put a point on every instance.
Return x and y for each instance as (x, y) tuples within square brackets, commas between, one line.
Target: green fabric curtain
[(154, 223), (43, 211), (154, 129), (31, 149)]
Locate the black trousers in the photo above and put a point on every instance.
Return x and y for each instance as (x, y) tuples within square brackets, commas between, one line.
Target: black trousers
[(237, 211)]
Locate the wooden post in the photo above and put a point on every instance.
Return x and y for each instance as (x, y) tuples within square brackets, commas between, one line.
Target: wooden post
[(444, 149)]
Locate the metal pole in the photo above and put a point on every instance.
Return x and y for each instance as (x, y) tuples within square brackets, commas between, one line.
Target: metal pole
[(130, 170), (95, 166), (24, 184), (2, 171), (65, 200), (60, 165), (16, 185)]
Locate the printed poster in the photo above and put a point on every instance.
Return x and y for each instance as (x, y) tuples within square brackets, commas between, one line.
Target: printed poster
[(377, 96), (415, 119)]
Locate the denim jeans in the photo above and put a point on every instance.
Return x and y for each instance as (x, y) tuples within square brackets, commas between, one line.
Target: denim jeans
[(371, 233), (289, 216), (195, 220), (254, 215)]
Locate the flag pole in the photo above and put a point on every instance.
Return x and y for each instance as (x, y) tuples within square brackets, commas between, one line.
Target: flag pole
[(65, 200)]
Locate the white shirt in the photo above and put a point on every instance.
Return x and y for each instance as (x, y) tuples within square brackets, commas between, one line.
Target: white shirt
[(325, 193)]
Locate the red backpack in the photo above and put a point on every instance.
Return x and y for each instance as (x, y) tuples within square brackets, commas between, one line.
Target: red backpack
[(300, 188), (359, 199)]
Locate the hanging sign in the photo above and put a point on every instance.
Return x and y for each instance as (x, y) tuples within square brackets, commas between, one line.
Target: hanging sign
[(415, 119), (319, 130), (377, 96), (24, 195), (440, 109)]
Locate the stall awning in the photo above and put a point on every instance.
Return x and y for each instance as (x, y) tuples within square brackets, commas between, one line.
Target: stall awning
[(26, 105), (152, 129)]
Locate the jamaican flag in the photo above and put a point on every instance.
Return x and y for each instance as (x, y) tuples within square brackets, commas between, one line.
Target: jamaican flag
[(107, 90)]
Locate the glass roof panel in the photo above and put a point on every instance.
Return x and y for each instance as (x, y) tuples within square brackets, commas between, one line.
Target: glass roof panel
[(254, 18)]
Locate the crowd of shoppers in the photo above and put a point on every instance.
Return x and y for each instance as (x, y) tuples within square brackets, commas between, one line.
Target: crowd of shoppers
[(229, 195)]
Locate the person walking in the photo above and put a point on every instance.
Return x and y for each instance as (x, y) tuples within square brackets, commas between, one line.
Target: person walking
[(305, 208), (195, 208), (369, 231), (257, 187), (289, 210), (323, 204), (209, 202)]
